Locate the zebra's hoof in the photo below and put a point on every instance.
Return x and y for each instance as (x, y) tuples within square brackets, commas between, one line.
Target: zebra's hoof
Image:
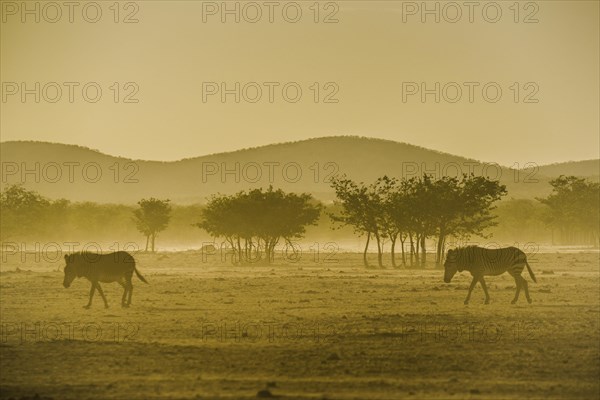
[(487, 302), (87, 307), (466, 302), (529, 301), (513, 302)]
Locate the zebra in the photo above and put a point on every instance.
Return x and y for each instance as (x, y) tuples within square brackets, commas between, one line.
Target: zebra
[(480, 262), (113, 267)]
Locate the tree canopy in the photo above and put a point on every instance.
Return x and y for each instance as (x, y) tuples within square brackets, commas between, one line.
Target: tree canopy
[(152, 217), (574, 209), (417, 209), (254, 222)]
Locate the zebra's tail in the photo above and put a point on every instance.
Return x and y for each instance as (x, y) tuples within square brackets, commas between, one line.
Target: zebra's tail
[(145, 281), (528, 269)]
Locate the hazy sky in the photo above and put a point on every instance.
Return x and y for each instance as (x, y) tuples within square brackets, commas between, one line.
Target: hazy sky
[(376, 57)]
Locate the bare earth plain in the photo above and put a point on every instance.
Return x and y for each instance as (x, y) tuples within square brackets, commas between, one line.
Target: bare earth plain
[(204, 329)]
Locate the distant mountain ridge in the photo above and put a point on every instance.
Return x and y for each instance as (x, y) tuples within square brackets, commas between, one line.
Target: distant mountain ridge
[(81, 174), (583, 168)]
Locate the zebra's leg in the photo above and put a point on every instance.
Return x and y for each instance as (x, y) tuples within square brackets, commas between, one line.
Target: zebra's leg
[(484, 286), (473, 283), (102, 294), (124, 298), (130, 292), (518, 282), (92, 291), (526, 287)]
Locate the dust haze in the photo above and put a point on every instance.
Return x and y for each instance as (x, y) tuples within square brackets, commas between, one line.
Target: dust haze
[(299, 200)]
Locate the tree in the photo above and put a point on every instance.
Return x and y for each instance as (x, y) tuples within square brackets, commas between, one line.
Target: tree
[(424, 209), (416, 209), (389, 213), (466, 207), (395, 214), (254, 223), (574, 209), (360, 207), (152, 217), (22, 211), (522, 220)]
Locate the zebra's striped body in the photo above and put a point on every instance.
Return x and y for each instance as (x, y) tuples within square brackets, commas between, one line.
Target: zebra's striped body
[(114, 267), (481, 262)]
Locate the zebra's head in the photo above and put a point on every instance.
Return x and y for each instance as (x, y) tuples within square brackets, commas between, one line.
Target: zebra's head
[(70, 271), (450, 266)]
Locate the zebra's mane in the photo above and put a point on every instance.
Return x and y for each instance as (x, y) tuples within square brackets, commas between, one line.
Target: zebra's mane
[(85, 255), (468, 247)]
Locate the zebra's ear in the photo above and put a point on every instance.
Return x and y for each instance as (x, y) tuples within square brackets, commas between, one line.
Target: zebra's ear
[(66, 257)]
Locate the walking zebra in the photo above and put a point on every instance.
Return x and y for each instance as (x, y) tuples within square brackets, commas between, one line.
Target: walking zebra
[(114, 267), (481, 262)]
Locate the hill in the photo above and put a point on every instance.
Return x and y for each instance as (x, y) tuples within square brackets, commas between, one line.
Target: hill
[(82, 174), (585, 168)]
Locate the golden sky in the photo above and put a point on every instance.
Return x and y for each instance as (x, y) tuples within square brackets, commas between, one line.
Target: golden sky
[(373, 56)]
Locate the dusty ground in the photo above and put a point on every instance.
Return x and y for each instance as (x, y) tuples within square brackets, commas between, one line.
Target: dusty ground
[(306, 330)]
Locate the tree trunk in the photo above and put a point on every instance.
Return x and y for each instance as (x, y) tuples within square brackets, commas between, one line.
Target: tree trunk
[(273, 244), (423, 251), (258, 253), (418, 249), (251, 254), (440, 249), (394, 238), (379, 255), (153, 239), (402, 239), (366, 248), (147, 241), (443, 251), (268, 251), (230, 246), (412, 249)]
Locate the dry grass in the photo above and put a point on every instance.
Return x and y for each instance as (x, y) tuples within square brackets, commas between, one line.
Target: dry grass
[(300, 330)]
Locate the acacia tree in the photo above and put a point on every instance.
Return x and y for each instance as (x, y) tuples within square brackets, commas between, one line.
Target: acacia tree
[(422, 202), (384, 188), (254, 223), (417, 209), (152, 217), (574, 209), (400, 219), (386, 209), (22, 210), (221, 217), (417, 215), (394, 214), (360, 208), (464, 207)]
